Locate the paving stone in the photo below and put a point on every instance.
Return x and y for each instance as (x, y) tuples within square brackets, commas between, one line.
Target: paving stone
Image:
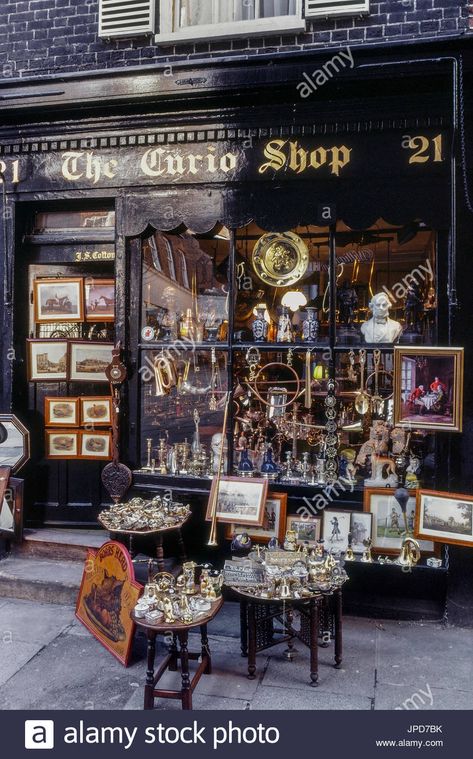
[(310, 698), (357, 673), (72, 673), (200, 702), (13, 656), (30, 622), (404, 698), (418, 654)]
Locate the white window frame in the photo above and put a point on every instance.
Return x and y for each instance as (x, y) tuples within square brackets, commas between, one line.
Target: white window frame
[(225, 30)]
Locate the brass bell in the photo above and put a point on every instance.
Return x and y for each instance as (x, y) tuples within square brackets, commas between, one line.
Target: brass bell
[(367, 557), (410, 553)]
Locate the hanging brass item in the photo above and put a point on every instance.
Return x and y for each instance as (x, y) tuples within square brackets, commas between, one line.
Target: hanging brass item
[(362, 400), (165, 376), (280, 259)]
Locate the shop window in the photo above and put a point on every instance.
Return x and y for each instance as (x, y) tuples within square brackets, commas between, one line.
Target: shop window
[(287, 332), (196, 19)]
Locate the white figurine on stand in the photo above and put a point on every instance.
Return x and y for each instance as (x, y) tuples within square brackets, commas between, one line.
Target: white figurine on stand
[(380, 328)]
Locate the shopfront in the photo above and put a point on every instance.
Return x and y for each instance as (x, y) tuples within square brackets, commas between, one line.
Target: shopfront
[(235, 250)]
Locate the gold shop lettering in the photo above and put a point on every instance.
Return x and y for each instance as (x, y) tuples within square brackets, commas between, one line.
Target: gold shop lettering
[(77, 166), (10, 171), (157, 162), (289, 154)]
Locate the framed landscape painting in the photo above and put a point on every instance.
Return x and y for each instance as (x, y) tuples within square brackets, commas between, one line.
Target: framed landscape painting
[(444, 517)]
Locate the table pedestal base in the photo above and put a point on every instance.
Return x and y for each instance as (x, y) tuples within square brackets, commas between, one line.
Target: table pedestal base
[(178, 654)]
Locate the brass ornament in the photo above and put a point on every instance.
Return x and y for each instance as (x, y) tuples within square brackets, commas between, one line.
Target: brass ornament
[(280, 259)]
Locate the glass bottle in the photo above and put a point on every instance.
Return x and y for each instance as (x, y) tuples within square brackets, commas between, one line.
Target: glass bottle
[(310, 326)]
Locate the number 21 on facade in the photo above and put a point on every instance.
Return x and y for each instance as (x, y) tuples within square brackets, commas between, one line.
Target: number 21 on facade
[(10, 172)]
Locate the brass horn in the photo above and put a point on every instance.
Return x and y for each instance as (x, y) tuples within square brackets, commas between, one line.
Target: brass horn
[(164, 375), (216, 484)]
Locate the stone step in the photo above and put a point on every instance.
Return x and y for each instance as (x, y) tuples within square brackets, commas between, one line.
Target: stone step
[(55, 544), (41, 580)]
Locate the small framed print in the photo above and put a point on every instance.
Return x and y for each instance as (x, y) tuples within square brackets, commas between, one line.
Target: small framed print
[(96, 411), (336, 526), (62, 444), (58, 300), (390, 525), (239, 501), (444, 517), (61, 412), (96, 445), (89, 360), (99, 300), (47, 360), (360, 528), (307, 529), (273, 525), (11, 511), (428, 388)]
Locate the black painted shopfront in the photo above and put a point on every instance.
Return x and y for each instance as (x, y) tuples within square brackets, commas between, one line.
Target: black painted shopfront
[(166, 185)]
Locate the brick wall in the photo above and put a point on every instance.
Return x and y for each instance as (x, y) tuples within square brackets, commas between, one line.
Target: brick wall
[(50, 36)]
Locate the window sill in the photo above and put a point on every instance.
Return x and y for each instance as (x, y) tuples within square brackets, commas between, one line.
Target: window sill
[(277, 25)]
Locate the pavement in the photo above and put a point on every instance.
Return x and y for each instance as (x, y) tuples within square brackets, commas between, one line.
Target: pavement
[(49, 660)]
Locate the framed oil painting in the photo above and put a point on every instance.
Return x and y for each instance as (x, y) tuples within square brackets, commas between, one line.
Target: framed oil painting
[(239, 501), (444, 517), (61, 412), (336, 526), (307, 530), (274, 522), (11, 511), (58, 300), (390, 525), (99, 300), (89, 360), (96, 445), (62, 444), (96, 411), (108, 594), (47, 360), (428, 388)]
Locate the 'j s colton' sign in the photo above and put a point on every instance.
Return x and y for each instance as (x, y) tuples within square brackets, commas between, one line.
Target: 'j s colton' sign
[(285, 158)]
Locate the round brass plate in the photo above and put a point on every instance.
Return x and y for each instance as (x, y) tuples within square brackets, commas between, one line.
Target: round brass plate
[(280, 259)]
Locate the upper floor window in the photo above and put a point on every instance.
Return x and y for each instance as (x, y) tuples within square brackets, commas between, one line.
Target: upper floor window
[(194, 19), (190, 20)]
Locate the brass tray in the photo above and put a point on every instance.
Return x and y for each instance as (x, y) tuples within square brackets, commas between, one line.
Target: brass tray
[(280, 259)]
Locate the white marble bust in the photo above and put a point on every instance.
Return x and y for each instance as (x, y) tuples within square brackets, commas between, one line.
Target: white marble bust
[(380, 328)]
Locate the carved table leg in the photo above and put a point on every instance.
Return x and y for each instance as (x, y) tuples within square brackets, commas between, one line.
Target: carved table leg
[(288, 619), (205, 650), (149, 687), (181, 546), (251, 641), (172, 667), (314, 634), (186, 693), (160, 552), (244, 627), (338, 628)]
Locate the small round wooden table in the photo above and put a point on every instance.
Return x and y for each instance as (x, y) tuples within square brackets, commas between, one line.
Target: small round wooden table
[(180, 635), (156, 535), (319, 614)]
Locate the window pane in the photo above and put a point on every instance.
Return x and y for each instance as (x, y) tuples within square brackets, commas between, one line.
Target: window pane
[(197, 12)]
